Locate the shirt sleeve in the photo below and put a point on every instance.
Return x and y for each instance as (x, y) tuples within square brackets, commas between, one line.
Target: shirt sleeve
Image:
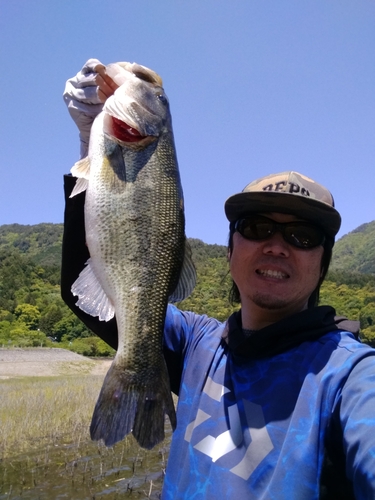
[(74, 257), (176, 334), (357, 418), (183, 331)]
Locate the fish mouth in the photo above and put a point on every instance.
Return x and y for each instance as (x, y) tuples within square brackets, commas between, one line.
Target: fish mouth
[(124, 132)]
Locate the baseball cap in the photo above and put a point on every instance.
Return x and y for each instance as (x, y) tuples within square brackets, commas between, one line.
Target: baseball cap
[(290, 193)]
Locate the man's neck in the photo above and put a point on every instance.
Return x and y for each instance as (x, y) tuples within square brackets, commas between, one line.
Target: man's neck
[(256, 318)]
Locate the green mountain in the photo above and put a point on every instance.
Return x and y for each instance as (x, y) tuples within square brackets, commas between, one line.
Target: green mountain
[(41, 242), (355, 252)]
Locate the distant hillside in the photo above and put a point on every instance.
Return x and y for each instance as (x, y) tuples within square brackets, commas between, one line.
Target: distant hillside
[(40, 242), (355, 252), (32, 311)]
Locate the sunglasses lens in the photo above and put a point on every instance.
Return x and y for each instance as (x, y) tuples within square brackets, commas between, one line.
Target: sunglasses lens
[(255, 229), (298, 234), (303, 235)]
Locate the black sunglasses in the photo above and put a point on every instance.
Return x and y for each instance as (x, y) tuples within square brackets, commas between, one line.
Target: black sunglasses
[(300, 234)]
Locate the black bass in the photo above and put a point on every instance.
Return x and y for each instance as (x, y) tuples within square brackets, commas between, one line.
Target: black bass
[(139, 258)]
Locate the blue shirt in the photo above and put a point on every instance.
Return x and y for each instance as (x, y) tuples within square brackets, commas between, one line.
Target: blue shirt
[(260, 428)]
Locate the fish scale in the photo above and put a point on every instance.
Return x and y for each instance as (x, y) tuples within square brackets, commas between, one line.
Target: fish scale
[(135, 234)]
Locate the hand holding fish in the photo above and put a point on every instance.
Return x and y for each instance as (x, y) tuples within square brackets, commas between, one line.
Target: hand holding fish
[(85, 93), (84, 105)]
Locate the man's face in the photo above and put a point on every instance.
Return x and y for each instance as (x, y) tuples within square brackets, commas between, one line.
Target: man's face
[(274, 278)]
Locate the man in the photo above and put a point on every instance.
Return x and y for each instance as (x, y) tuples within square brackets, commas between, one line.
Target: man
[(278, 402)]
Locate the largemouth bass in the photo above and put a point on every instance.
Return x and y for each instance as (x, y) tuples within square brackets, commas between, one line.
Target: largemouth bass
[(139, 258)]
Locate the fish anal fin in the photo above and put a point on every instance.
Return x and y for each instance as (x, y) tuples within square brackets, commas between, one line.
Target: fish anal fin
[(91, 297), (187, 279)]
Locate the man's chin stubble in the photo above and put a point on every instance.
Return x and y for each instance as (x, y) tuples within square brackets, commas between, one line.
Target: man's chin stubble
[(270, 303)]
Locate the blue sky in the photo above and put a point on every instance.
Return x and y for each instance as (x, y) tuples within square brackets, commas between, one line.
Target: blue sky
[(255, 87)]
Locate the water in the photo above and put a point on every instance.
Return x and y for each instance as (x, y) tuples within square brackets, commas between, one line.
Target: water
[(85, 471)]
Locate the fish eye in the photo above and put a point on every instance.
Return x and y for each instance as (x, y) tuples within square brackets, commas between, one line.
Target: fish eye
[(162, 98)]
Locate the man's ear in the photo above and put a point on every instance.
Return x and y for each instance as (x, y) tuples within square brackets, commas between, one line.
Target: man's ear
[(229, 254)]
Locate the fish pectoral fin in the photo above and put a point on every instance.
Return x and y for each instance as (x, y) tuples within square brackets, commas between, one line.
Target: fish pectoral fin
[(187, 279), (79, 187), (81, 170), (92, 299)]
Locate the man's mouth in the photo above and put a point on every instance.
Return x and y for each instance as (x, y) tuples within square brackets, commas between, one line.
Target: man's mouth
[(269, 273)]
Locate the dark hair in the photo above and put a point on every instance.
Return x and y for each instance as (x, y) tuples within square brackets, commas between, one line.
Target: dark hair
[(234, 293)]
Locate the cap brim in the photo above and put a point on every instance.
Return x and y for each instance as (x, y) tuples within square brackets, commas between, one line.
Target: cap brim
[(240, 205)]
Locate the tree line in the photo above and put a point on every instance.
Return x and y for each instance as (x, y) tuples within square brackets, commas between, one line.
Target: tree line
[(32, 312)]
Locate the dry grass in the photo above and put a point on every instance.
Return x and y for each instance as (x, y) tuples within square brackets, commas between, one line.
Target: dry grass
[(39, 411), (45, 448)]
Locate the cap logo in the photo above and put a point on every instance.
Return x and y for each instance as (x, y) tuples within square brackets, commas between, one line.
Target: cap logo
[(283, 187)]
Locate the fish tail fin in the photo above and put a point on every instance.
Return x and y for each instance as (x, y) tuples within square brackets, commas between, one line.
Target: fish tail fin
[(127, 404), (152, 407)]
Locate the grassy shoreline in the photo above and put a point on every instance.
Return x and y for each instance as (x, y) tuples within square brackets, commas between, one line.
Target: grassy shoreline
[(37, 411), (45, 445)]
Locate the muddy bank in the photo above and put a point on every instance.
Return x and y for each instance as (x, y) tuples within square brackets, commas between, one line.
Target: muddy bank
[(47, 362)]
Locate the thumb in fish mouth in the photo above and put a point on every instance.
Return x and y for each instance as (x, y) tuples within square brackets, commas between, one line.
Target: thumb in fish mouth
[(106, 86)]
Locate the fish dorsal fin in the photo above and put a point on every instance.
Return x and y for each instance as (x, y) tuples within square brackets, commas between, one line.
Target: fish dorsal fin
[(91, 297), (188, 277), (81, 170)]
